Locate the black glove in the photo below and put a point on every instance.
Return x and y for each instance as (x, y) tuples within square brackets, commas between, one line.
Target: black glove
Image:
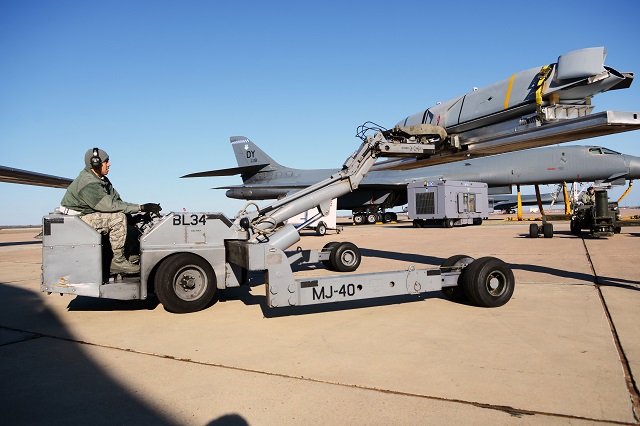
[(151, 208)]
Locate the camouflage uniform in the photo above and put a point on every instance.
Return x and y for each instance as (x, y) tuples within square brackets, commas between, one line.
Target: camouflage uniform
[(588, 198), (100, 206), (112, 224)]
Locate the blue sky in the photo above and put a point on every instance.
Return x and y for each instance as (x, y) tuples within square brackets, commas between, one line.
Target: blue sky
[(162, 85)]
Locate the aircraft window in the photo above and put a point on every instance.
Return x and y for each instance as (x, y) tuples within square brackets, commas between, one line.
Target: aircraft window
[(610, 151), (595, 151)]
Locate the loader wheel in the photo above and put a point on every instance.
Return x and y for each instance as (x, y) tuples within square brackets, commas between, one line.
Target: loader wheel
[(488, 282), (185, 283), (344, 257), (328, 247), (456, 293), (533, 230), (547, 230), (448, 223)]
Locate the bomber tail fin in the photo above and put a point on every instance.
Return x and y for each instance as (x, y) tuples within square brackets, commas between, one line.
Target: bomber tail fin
[(248, 154), (249, 157)]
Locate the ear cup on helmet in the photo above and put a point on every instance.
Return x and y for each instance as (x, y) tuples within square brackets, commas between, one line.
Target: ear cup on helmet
[(96, 161)]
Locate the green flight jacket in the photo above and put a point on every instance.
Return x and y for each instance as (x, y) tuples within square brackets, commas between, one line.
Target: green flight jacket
[(89, 194)]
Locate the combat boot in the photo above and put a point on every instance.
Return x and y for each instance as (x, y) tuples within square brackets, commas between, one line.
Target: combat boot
[(120, 265)]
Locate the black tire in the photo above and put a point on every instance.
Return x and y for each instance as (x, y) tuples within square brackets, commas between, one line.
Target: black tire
[(372, 218), (574, 226), (321, 229), (417, 223), (358, 218), (185, 283), (533, 230), (488, 282), (387, 217), (345, 257), (394, 216), (477, 221), (547, 230), (456, 293), (448, 223), (328, 247)]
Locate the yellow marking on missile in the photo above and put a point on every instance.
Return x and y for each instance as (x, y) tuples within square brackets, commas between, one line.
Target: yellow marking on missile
[(506, 100)]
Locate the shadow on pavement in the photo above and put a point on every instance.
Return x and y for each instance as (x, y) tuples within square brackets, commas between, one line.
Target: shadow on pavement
[(85, 303), (588, 277), (19, 243), (50, 380)]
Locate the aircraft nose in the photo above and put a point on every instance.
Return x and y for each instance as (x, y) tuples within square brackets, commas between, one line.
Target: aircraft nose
[(633, 163)]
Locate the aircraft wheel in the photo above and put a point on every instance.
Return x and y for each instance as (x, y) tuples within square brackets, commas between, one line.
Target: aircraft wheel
[(185, 283), (547, 230), (372, 218), (345, 257), (456, 293), (321, 229), (358, 218), (387, 217), (533, 230), (488, 282)]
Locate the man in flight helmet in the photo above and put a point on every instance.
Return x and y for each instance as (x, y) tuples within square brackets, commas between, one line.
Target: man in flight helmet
[(96, 201)]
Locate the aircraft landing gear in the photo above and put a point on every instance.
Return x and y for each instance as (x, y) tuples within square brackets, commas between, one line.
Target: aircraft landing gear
[(370, 218)]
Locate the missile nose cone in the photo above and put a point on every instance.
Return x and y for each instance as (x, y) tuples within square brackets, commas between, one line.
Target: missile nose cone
[(634, 166)]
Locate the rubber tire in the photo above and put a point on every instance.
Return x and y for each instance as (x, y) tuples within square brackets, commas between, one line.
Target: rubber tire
[(533, 230), (387, 217), (477, 221), (328, 247), (447, 223), (477, 278), (321, 229), (345, 257), (372, 218), (547, 230), (457, 293), (359, 218), (417, 223), (166, 282), (575, 227)]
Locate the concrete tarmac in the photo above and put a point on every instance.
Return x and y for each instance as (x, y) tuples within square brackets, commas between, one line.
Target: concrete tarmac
[(564, 350)]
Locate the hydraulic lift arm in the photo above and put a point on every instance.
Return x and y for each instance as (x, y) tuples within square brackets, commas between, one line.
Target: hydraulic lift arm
[(262, 224)]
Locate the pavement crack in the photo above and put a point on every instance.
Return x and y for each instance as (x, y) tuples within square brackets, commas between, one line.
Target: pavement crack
[(512, 411), (25, 336), (632, 386)]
